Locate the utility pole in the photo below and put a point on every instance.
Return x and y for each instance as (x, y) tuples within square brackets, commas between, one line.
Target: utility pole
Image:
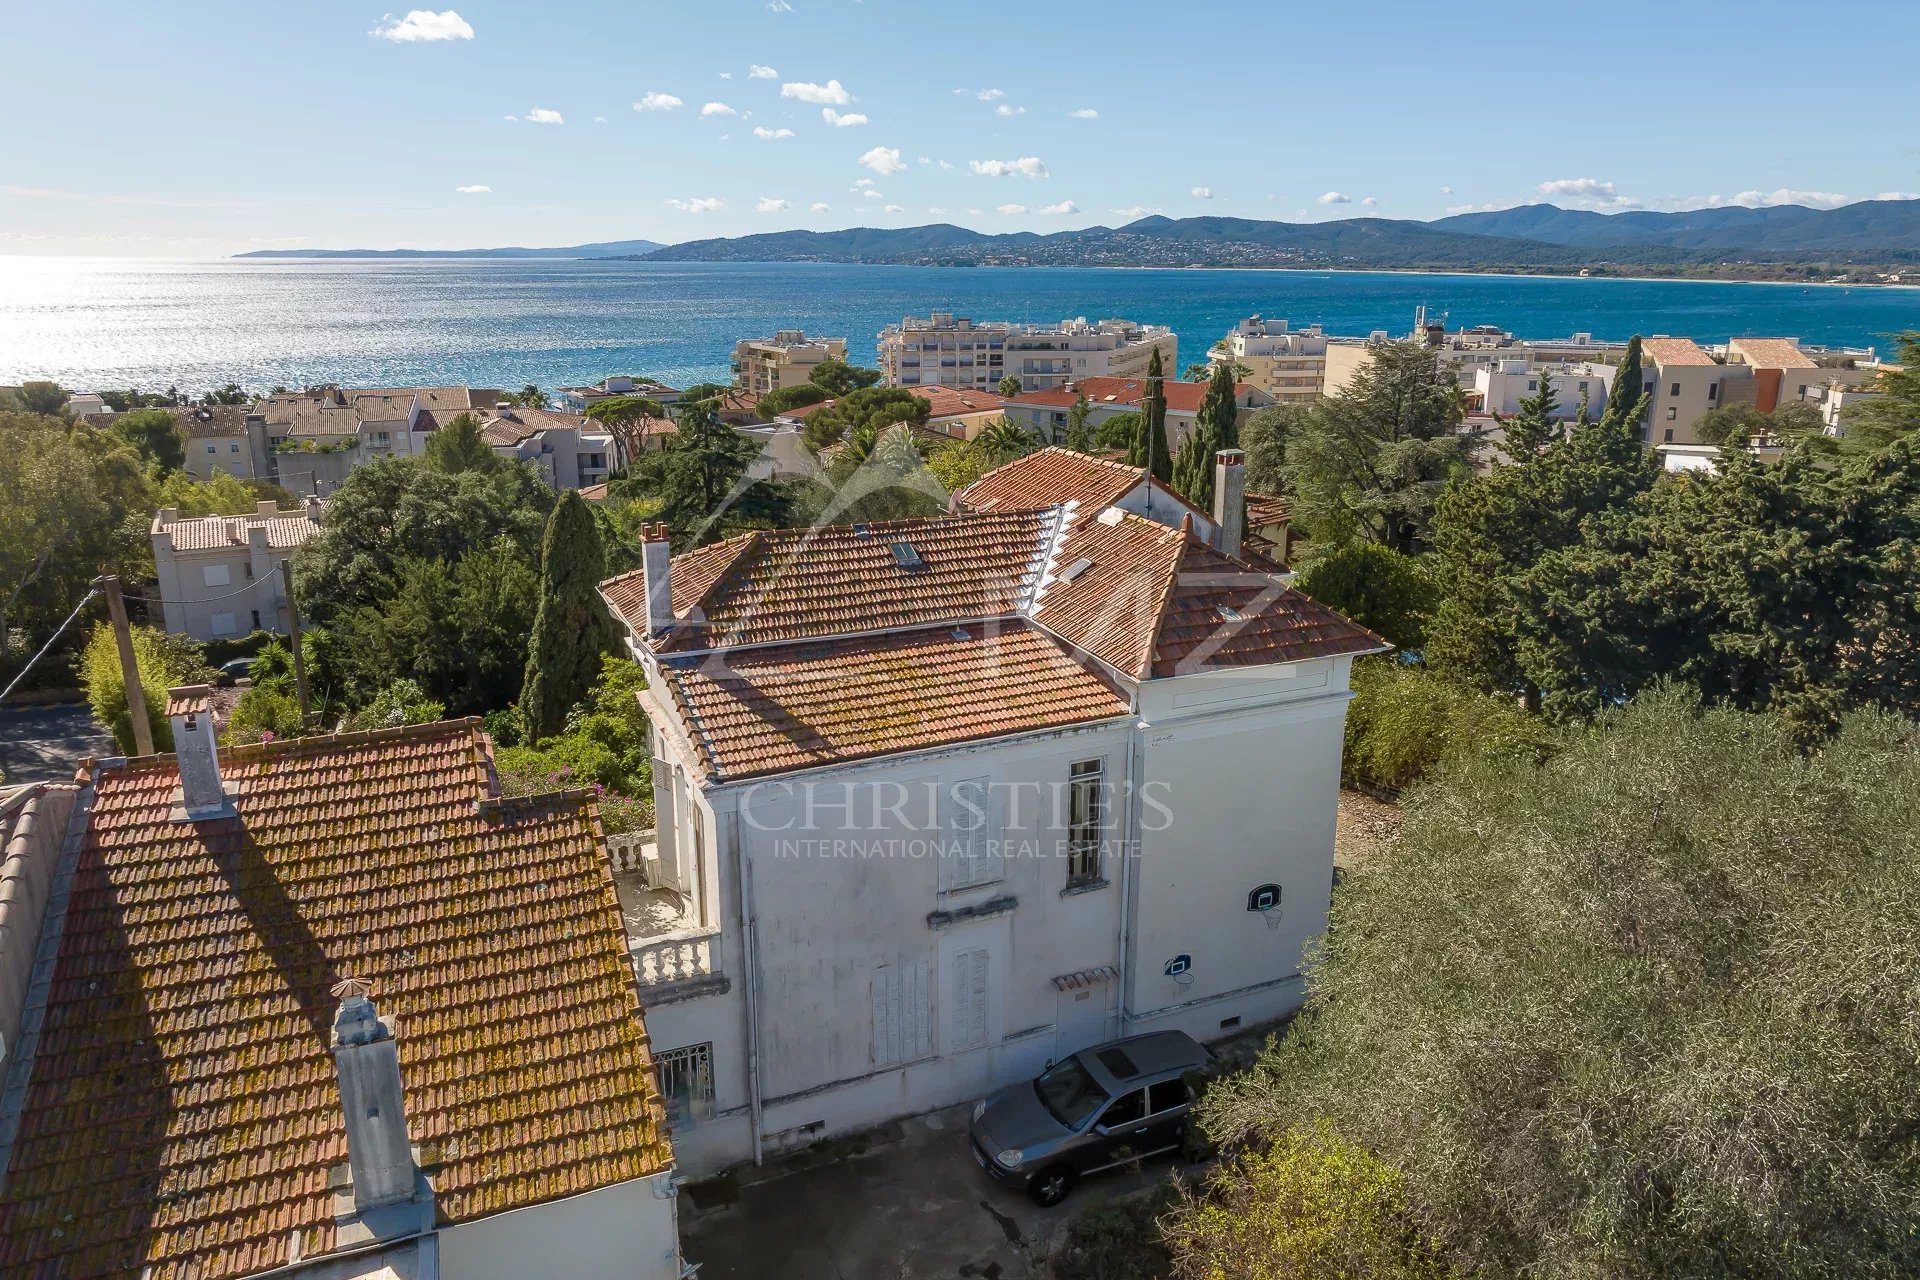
[(293, 636), (129, 668)]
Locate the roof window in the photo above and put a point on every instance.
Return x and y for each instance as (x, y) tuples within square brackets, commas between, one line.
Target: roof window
[(1075, 569), (906, 557)]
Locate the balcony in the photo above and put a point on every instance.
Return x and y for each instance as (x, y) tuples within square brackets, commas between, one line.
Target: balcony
[(675, 955)]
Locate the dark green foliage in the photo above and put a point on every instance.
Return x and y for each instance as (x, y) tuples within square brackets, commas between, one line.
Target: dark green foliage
[(1264, 436), (1079, 436), (156, 434), (1405, 721), (1010, 385), (1628, 387), (604, 745), (1005, 440), (1116, 1242), (231, 394), (697, 482), (1644, 1010), (787, 399), (571, 629), (1372, 461), (1384, 591), (1215, 427), (702, 391), (1148, 448), (42, 397), (1120, 431), (1894, 414), (458, 447), (1734, 425), (876, 475), (1535, 426), (838, 378), (875, 408)]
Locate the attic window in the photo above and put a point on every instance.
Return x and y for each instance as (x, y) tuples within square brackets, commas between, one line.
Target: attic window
[(1075, 569), (906, 557), (1229, 614)]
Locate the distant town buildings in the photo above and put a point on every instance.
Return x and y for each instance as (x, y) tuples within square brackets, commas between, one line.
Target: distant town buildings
[(956, 351), (1464, 351), (1044, 413), (568, 450), (219, 576), (578, 399), (787, 359), (1288, 364)]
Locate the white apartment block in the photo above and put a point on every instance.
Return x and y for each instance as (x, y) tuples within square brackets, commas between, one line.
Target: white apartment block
[(787, 359), (219, 576), (1501, 386), (316, 436), (568, 450), (956, 351), (1288, 364), (1467, 351), (577, 399)]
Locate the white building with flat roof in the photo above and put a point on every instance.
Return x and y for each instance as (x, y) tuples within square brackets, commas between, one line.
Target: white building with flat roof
[(957, 351), (787, 359), (1499, 387), (1288, 364)]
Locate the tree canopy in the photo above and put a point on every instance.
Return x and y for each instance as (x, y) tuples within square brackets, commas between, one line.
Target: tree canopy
[(1148, 448), (697, 482), (458, 446), (1215, 427), (875, 408), (156, 434), (571, 628), (838, 378)]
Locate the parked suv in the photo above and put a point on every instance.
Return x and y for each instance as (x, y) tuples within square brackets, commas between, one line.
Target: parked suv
[(1102, 1107)]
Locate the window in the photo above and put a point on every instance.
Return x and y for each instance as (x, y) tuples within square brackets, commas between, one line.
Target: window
[(1533, 384), (1713, 391), (211, 447), (1166, 1095), (969, 998), (249, 571), (686, 1082), (1675, 391), (216, 575), (1672, 415), (256, 619), (1803, 391), (971, 856), (1669, 439), (1130, 1108), (222, 624), (902, 1011), (1086, 818), (234, 447)]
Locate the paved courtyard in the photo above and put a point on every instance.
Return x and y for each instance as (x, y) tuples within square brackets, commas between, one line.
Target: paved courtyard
[(911, 1205)]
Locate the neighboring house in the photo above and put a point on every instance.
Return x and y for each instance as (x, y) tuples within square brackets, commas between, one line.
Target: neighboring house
[(1288, 364), (956, 351), (1500, 386), (577, 399), (1044, 413), (1782, 372), (1270, 526), (1683, 382), (569, 451), (326, 1009), (316, 436), (787, 359), (222, 438), (82, 403), (1053, 476), (219, 576), (960, 413), (1466, 351), (947, 798)]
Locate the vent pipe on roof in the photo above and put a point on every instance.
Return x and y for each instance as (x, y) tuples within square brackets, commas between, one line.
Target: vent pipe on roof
[(1229, 500), (656, 567), (379, 1154)]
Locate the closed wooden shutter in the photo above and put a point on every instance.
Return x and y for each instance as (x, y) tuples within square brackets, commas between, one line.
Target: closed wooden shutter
[(971, 836), (903, 1010), (970, 998)]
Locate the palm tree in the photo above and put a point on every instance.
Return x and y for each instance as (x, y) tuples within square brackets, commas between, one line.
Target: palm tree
[(531, 397), (1005, 441), (1010, 385)]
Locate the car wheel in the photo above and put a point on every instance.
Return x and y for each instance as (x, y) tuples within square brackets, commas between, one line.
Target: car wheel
[(1050, 1186)]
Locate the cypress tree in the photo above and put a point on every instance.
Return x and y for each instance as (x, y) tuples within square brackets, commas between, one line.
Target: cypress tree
[(1079, 434), (571, 629), (1214, 429), (1149, 448), (1625, 393)]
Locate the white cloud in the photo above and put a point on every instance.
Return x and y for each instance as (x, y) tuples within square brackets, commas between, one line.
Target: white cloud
[(832, 93), (543, 115), (599, 119), (1025, 167), (1335, 197), (1370, 201), (1446, 191), (894, 208), (1004, 110), (865, 183), (988, 95), (1085, 113), (1010, 208), (718, 109), (1202, 193), (658, 102), (1786, 195), (726, 75), (699, 204), (839, 121), (1489, 207), (423, 24), (758, 72), (476, 189), (767, 204), (946, 164), (1898, 195), (938, 211), (1135, 211), (779, 6), (1586, 193), (974, 212), (765, 134), (1060, 210), (867, 193), (821, 207), (884, 161)]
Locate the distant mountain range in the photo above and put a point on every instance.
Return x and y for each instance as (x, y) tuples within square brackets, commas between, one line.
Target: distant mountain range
[(1783, 241), (606, 249)]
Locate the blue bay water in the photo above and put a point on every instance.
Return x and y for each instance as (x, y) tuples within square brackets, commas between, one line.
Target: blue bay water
[(113, 323)]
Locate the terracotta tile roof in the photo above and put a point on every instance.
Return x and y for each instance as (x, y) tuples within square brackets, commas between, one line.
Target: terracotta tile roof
[(214, 533), (183, 1112), (1127, 393), (952, 402), (196, 422), (764, 711), (189, 700), (513, 426), (1111, 607), (1223, 614), (1676, 352), (1772, 353), (808, 584), (1052, 475), (1265, 510)]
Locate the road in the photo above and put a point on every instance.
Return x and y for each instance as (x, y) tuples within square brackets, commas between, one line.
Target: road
[(42, 744)]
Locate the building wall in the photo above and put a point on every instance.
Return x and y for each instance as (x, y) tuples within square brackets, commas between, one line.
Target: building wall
[(1502, 386), (628, 1231), (250, 597), (766, 365), (1683, 393), (315, 475)]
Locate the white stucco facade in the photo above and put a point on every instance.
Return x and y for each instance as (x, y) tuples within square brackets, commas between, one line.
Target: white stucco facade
[(627, 1231)]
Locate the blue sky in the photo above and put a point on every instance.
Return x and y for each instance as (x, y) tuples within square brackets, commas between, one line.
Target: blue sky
[(204, 127)]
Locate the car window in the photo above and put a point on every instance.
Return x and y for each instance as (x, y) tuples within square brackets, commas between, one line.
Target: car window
[(1068, 1093), (1126, 1109), (1166, 1095)]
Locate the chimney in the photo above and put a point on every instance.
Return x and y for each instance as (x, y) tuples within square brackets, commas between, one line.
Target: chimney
[(1229, 500), (379, 1154), (656, 563), (266, 507), (202, 796)]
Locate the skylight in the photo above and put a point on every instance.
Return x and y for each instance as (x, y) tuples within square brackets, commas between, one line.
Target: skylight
[(906, 557), (1075, 569)]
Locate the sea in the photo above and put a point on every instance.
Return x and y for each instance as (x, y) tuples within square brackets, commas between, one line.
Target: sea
[(113, 323)]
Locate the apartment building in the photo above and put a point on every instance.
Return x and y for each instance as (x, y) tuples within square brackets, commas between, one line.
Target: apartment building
[(568, 450), (1466, 351), (219, 576), (1499, 387), (1288, 364), (787, 359), (966, 794), (323, 1009), (1044, 413), (316, 436), (956, 351), (577, 399), (221, 439)]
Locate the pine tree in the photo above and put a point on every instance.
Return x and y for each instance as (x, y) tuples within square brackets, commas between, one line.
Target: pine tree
[(1149, 448), (1079, 434), (571, 629), (1626, 392), (1533, 428), (1214, 428)]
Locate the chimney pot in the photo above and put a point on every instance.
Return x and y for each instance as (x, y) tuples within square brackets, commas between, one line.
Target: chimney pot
[(1229, 500), (656, 565)]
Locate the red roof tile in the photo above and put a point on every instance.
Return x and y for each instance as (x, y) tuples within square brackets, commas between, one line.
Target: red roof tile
[(183, 1111), (951, 402), (1182, 397), (1050, 476)]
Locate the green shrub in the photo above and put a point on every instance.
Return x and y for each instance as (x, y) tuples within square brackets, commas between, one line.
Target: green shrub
[(1116, 1242), (164, 662), (1404, 720), (1379, 588), (402, 702), (263, 715)]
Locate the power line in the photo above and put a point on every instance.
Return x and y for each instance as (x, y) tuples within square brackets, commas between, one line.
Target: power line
[(57, 633)]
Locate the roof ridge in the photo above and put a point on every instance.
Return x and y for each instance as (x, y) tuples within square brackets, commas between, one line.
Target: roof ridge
[(295, 746)]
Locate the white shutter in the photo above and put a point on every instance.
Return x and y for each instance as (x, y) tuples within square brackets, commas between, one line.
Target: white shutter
[(970, 998), (970, 827), (921, 1006), (903, 1010), (884, 1047)]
